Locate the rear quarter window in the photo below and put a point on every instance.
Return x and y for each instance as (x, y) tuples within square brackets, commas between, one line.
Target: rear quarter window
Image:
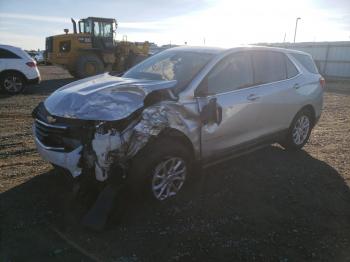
[(291, 69), (307, 62)]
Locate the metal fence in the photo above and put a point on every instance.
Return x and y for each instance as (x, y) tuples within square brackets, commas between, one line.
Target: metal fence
[(331, 58)]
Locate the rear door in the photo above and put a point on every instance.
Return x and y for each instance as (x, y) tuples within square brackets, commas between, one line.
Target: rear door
[(9, 60), (276, 80)]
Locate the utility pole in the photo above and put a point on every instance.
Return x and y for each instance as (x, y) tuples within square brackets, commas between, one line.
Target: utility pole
[(296, 27)]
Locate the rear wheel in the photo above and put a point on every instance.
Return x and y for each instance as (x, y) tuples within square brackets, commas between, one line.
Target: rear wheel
[(12, 83), (89, 65), (299, 131)]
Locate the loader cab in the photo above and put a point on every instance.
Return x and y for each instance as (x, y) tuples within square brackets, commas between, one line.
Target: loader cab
[(102, 31)]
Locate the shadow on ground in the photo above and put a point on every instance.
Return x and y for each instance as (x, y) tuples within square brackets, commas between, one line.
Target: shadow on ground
[(270, 205)]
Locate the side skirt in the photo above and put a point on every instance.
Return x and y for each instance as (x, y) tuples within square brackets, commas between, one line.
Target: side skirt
[(244, 148)]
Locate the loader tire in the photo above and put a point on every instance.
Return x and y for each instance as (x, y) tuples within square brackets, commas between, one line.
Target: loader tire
[(89, 65)]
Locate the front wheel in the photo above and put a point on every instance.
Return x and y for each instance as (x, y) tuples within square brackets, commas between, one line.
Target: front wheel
[(161, 169), (299, 131), (168, 177)]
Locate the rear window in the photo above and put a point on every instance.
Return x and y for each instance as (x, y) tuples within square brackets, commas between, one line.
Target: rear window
[(307, 62), (268, 67)]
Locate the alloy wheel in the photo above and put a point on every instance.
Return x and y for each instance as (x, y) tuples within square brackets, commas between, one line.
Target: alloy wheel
[(168, 177), (301, 130), (13, 84)]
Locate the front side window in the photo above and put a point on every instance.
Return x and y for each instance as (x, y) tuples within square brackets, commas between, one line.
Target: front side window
[(232, 73), (268, 67), (6, 54)]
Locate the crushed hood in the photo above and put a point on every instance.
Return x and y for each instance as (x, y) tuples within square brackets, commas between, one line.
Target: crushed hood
[(102, 97)]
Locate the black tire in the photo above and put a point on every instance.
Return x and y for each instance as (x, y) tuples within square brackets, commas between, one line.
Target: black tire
[(12, 83), (292, 143), (143, 165), (89, 65)]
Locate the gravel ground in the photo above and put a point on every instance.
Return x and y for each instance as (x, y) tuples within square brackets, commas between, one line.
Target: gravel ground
[(270, 205)]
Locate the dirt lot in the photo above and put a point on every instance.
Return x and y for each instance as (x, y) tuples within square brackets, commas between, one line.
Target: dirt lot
[(270, 205)]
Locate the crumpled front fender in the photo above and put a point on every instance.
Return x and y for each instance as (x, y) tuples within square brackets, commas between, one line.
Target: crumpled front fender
[(111, 146)]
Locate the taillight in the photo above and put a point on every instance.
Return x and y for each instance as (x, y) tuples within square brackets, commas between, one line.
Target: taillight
[(322, 82), (31, 64)]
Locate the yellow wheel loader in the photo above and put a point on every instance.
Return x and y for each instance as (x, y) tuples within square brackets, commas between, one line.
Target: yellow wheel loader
[(91, 49)]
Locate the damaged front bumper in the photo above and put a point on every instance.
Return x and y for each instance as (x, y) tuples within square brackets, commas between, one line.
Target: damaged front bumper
[(67, 160)]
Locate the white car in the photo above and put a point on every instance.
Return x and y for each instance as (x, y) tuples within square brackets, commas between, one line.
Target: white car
[(17, 69)]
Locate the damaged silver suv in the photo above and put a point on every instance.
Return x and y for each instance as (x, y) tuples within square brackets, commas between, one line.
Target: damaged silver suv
[(182, 106)]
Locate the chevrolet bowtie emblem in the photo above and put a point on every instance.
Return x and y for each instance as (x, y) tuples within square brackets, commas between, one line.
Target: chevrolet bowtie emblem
[(50, 119)]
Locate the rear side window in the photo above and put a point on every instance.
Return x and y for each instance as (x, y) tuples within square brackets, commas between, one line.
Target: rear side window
[(307, 62), (291, 69), (7, 54), (268, 67), (232, 73)]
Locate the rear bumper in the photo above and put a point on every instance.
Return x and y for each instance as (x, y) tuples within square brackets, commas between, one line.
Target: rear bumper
[(67, 160), (34, 81)]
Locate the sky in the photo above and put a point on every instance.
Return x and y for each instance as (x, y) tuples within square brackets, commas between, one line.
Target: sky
[(224, 23)]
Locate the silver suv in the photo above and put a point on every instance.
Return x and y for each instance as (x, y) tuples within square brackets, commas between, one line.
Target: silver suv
[(182, 106)]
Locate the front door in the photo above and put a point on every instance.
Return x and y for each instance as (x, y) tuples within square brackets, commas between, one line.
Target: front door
[(231, 84)]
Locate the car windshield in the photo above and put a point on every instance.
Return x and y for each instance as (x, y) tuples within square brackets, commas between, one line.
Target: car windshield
[(177, 65)]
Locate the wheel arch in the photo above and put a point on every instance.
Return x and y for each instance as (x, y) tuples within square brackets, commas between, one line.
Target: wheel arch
[(13, 71), (172, 133), (311, 109)]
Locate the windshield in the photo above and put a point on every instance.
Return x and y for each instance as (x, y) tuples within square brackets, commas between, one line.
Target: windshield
[(85, 26), (177, 65)]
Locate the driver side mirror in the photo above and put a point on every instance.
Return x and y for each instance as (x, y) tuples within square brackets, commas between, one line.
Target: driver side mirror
[(211, 112)]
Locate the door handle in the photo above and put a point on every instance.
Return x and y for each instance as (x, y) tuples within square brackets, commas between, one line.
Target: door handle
[(296, 86), (252, 97)]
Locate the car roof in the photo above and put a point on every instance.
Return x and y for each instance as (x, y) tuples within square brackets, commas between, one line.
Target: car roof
[(10, 47), (200, 49), (218, 50), (268, 48), (17, 50)]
